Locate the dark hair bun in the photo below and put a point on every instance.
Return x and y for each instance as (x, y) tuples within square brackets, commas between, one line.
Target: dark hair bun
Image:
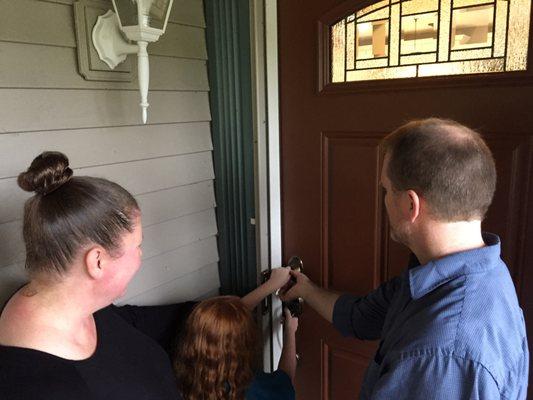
[(47, 172)]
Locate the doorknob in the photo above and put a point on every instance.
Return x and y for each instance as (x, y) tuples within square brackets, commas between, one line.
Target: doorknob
[(295, 306)]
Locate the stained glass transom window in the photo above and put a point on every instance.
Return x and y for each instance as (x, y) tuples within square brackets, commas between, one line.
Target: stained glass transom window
[(394, 39)]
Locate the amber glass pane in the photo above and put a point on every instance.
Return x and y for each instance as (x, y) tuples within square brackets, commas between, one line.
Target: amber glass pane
[(444, 31), (461, 67), (419, 59), (382, 73), (500, 31), (374, 63), (518, 38), (394, 39), (394, 34), (472, 27), (382, 13), (465, 3), (372, 7), (372, 39), (419, 33), (419, 6), (337, 52), (350, 45), (472, 54)]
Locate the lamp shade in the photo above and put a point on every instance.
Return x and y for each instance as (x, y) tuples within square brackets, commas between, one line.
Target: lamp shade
[(143, 13)]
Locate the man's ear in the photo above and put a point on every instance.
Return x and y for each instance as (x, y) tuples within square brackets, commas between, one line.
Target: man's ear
[(94, 259), (414, 205)]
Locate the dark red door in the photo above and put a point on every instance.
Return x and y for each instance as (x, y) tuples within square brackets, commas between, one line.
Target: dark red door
[(332, 208)]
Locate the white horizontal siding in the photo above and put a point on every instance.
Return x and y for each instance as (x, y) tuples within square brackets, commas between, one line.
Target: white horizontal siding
[(45, 104), (136, 176), (158, 270), (188, 287), (103, 146), (166, 73), (67, 109)]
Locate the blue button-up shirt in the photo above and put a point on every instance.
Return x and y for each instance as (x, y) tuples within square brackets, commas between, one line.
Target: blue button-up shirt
[(450, 329)]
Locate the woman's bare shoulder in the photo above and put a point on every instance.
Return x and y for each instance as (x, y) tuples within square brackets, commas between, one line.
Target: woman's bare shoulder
[(18, 321)]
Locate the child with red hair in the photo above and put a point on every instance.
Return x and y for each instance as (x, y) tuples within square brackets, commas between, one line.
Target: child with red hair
[(219, 352)]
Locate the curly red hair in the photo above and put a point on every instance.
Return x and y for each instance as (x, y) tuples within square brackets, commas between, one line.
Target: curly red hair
[(218, 352)]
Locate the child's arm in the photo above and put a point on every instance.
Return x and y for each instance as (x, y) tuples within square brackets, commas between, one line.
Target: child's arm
[(287, 362), (278, 278)]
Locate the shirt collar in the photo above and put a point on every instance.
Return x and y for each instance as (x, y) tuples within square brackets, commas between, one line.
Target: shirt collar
[(426, 278)]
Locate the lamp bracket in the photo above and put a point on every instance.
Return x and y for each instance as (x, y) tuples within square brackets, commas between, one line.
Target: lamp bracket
[(108, 41)]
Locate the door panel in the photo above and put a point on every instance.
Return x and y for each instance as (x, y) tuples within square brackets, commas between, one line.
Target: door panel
[(348, 196), (332, 208), (339, 367)]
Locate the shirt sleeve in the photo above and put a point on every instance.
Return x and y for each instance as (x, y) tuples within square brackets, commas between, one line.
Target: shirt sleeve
[(363, 317), (164, 324), (436, 377), (276, 385)]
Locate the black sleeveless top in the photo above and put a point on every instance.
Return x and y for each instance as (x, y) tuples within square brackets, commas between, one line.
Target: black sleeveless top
[(130, 361)]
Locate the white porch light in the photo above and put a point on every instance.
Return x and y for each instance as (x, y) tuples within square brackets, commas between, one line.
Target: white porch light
[(141, 21)]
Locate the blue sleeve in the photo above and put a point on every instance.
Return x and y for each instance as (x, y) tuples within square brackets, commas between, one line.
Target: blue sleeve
[(363, 317), (274, 386), (437, 377)]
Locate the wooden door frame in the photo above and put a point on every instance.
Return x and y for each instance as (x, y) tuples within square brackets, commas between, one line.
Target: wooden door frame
[(266, 124)]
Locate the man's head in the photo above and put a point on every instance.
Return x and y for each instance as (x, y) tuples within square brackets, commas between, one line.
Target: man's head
[(444, 163)]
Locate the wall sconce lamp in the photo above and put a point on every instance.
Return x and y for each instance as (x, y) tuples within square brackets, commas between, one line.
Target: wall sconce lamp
[(141, 21)]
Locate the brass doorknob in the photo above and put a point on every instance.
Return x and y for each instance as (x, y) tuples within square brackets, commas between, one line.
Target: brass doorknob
[(295, 306), (296, 264)]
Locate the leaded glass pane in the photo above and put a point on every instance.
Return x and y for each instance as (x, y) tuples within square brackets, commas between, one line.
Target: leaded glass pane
[(466, 3), (419, 33), (376, 15), (461, 67), (472, 27), (338, 52), (519, 13), (382, 73), (371, 8), (375, 63), (394, 35), (444, 31), (372, 39), (419, 6), (394, 39), (350, 45), (500, 31), (471, 54), (418, 59)]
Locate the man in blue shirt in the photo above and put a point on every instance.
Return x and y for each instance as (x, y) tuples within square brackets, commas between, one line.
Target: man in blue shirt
[(450, 326)]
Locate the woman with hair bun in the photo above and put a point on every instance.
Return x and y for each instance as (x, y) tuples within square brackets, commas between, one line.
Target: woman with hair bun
[(60, 336), (217, 359)]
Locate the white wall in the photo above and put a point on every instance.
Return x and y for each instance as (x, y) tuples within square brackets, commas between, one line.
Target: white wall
[(45, 104)]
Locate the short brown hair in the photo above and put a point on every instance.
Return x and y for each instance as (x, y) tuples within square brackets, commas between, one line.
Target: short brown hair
[(67, 213), (445, 162), (218, 353)]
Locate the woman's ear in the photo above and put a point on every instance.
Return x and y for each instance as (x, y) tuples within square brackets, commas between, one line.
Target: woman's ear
[(94, 259), (414, 205)]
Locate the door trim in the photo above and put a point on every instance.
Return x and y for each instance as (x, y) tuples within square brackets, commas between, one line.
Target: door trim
[(265, 98)]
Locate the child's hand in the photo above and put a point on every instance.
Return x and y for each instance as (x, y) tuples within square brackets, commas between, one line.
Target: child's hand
[(290, 322), (279, 277)]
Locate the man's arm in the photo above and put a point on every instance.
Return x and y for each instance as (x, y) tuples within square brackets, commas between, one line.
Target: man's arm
[(321, 300), (438, 377), (359, 316)]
